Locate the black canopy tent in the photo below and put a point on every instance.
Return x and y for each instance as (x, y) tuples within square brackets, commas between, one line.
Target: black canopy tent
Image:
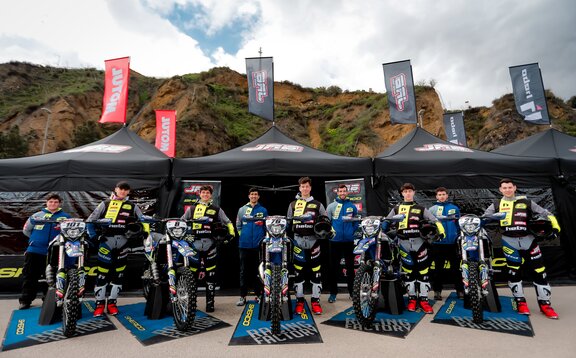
[(95, 166), (83, 176), (427, 161), (273, 162), (553, 144), (471, 176)]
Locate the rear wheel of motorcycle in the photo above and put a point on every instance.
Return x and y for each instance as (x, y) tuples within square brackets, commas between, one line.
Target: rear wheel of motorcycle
[(71, 305), (184, 309), (276, 299), (475, 293), (364, 303)]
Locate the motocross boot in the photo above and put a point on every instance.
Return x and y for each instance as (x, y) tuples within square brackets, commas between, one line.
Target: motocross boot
[(425, 306), (112, 308), (99, 310), (299, 306), (411, 306), (547, 309), (522, 307), (316, 308)]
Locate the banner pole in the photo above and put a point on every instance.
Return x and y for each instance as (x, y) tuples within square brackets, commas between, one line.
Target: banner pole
[(546, 102)]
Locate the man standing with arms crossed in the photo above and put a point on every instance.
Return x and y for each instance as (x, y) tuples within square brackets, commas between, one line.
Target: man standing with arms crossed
[(251, 235), (342, 243), (445, 257)]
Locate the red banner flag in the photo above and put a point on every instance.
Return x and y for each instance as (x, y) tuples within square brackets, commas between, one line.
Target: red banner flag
[(115, 100), (166, 132)]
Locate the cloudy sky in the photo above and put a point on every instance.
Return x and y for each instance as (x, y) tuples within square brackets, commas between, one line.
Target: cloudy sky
[(465, 46)]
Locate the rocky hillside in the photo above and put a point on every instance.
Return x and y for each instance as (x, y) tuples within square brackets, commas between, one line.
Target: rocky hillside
[(212, 113)]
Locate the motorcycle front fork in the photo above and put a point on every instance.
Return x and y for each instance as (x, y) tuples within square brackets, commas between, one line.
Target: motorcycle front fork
[(62, 277), (483, 275)]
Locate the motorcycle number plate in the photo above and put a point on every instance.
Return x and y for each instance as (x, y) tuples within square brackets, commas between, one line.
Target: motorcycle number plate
[(74, 248)]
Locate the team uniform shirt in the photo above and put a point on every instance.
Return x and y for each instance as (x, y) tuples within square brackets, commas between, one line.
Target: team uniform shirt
[(39, 234), (251, 232), (343, 230), (451, 228)]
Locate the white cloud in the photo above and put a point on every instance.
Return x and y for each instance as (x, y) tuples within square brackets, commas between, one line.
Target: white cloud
[(465, 46)]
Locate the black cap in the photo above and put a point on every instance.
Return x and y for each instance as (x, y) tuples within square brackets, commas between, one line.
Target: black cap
[(123, 185)]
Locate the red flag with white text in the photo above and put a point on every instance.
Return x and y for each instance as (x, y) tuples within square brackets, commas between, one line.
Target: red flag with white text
[(115, 100), (166, 132)]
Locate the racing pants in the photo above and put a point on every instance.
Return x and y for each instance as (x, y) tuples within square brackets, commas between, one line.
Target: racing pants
[(306, 261)]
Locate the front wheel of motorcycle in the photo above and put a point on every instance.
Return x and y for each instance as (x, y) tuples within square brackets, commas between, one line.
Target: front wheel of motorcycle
[(184, 309), (475, 293), (363, 300), (71, 304), (276, 299)]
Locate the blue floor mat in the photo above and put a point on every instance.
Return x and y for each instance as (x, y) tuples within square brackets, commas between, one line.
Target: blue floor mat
[(384, 323), (508, 321), (149, 332), (252, 331), (23, 329)]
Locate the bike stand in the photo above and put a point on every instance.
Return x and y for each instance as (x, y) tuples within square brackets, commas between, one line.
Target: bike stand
[(391, 298), (50, 313), (157, 302), (492, 301)]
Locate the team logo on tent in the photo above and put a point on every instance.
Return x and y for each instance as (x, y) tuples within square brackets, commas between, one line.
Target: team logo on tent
[(100, 148), (441, 147), (573, 149), (274, 147)]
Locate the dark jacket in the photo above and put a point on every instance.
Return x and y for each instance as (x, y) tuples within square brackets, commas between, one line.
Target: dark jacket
[(40, 235), (344, 231)]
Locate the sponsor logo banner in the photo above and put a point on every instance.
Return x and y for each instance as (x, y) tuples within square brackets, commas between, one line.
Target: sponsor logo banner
[(252, 331), (529, 93), (100, 148), (24, 331), (166, 132), (260, 74), (441, 147), (190, 193), (356, 192), (400, 89), (454, 128), (384, 323), (508, 321), (149, 332), (115, 100), (274, 147)]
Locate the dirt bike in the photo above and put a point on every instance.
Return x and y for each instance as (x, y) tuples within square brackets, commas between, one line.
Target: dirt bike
[(168, 272), (475, 248), (374, 268), (273, 270), (66, 254)]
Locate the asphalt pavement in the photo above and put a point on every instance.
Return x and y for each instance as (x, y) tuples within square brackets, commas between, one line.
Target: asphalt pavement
[(553, 338)]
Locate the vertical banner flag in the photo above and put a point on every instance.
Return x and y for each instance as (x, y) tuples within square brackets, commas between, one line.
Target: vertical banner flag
[(190, 193), (400, 89), (115, 100), (529, 93), (166, 132), (260, 73), (454, 128), (356, 192)]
